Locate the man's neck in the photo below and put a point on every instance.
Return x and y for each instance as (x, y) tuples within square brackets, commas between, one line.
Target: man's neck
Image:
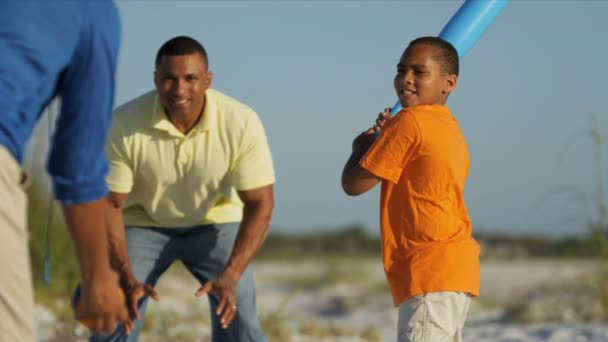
[(184, 124)]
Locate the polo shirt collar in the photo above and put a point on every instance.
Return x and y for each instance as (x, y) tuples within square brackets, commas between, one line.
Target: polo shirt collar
[(209, 113), (161, 122)]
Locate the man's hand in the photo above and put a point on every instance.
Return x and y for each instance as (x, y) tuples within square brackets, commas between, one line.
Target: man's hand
[(224, 287), (257, 210), (135, 292), (101, 307)]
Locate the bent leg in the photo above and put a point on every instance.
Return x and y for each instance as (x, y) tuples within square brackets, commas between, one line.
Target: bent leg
[(246, 325), (206, 256)]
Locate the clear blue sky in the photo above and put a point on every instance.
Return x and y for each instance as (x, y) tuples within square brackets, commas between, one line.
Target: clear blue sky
[(318, 72)]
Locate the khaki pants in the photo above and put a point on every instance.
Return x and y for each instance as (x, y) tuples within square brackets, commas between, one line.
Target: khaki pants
[(433, 317), (16, 295)]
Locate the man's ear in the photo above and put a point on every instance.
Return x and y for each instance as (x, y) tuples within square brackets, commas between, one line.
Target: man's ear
[(209, 77)]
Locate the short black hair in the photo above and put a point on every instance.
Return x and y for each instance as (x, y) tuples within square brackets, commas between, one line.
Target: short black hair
[(180, 45), (448, 57)]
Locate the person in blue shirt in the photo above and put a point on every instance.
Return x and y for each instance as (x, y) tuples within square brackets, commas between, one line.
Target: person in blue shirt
[(68, 50)]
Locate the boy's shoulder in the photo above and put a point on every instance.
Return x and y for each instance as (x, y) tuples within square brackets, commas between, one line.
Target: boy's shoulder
[(431, 115), (417, 115), (428, 109)]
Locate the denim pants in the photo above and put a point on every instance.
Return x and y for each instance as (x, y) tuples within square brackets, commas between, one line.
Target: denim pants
[(204, 250)]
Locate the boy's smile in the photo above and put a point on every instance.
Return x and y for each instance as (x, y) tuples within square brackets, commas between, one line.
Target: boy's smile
[(420, 78)]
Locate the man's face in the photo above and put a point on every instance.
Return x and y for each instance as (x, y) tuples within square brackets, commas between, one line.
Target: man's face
[(181, 82), (420, 79)]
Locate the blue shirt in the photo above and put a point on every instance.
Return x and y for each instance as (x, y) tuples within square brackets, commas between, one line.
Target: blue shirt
[(69, 49)]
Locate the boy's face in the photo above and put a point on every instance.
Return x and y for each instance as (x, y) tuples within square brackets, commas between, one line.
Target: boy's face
[(420, 79)]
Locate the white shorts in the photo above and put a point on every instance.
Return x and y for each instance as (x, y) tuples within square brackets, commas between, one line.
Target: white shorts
[(433, 317)]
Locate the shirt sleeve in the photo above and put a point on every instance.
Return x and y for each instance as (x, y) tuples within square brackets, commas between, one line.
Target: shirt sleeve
[(120, 177), (253, 167), (395, 146), (77, 162)]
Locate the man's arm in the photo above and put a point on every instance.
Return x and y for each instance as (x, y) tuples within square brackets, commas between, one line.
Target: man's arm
[(86, 224), (78, 165), (257, 212), (119, 257)]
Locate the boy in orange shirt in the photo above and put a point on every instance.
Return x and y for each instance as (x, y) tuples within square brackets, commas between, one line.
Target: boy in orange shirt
[(420, 156)]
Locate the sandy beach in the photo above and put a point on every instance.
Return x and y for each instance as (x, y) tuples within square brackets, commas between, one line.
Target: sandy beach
[(346, 299)]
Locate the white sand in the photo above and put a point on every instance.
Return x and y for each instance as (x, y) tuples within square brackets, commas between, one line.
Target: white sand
[(347, 300)]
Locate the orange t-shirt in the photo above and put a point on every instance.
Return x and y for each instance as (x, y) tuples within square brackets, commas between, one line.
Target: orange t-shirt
[(427, 246)]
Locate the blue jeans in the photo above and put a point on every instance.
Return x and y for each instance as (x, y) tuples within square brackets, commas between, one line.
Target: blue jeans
[(204, 250)]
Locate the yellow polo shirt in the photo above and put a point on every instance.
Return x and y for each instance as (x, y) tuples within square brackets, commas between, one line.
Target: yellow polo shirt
[(176, 180)]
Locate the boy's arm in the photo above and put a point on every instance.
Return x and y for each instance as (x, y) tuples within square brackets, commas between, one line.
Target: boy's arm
[(355, 179)]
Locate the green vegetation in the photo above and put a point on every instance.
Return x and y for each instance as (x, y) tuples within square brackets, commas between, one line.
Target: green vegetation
[(347, 241), (331, 247), (566, 301), (371, 334), (64, 273), (499, 245), (600, 250), (599, 231), (276, 328), (351, 241), (321, 331), (538, 306), (354, 241), (63, 265)]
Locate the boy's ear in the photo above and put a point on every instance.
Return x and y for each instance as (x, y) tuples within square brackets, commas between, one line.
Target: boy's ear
[(450, 83)]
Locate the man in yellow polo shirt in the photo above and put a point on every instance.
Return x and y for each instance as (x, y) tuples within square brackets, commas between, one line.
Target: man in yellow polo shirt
[(192, 178)]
